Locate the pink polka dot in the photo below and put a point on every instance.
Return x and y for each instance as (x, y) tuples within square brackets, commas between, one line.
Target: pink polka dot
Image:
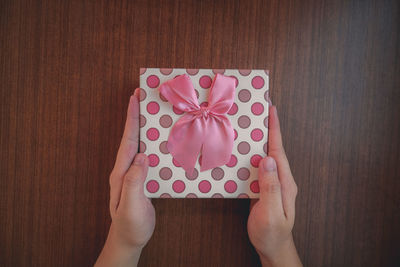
[(142, 71), (257, 108), (243, 195), (204, 104), (254, 187), (165, 195), (152, 134), (236, 80), (153, 81), (152, 186), (232, 162), (191, 195), (178, 186), (236, 134), (257, 82), (230, 186), (204, 186), (255, 160), (257, 135), (233, 110), (175, 162), (153, 160), (217, 195), (177, 111), (205, 81), (153, 107)]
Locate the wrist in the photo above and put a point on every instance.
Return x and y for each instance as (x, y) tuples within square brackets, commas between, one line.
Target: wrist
[(115, 253), (284, 255)]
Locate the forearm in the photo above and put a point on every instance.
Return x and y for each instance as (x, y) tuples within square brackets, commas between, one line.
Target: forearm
[(287, 256), (114, 254)]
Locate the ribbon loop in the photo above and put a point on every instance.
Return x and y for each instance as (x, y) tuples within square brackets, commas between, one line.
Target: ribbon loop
[(201, 129)]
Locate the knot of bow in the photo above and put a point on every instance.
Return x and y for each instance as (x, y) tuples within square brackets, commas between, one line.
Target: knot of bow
[(204, 129)]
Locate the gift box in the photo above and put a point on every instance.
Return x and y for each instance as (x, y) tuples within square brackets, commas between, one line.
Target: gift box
[(248, 116)]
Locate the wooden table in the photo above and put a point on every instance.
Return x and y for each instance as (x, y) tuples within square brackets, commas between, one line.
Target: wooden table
[(69, 67)]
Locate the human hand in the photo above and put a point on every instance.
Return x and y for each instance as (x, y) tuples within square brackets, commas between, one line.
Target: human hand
[(133, 215), (271, 217)]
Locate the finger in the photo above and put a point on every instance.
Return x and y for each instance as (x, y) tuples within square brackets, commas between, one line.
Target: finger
[(126, 152), (130, 139), (253, 201), (275, 146), (133, 187), (276, 150), (270, 187)]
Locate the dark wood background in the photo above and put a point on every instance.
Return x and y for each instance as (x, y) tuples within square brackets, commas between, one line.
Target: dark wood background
[(69, 67)]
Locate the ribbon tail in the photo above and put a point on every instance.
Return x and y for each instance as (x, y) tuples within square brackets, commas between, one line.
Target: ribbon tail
[(218, 143), (185, 141)]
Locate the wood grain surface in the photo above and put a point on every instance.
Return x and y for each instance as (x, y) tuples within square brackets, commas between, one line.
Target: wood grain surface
[(69, 67)]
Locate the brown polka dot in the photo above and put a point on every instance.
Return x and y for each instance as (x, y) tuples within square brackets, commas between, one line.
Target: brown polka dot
[(142, 147), (266, 96), (220, 71), (266, 122), (165, 195), (191, 195), (217, 173), (142, 95), (244, 95), (163, 147), (244, 121), (165, 121), (142, 121), (243, 174), (166, 71), (244, 72), (165, 173), (192, 71), (217, 195), (194, 175), (265, 148), (243, 148), (163, 98), (142, 71)]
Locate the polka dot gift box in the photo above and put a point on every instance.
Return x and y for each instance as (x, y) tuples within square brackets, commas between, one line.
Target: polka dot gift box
[(248, 116)]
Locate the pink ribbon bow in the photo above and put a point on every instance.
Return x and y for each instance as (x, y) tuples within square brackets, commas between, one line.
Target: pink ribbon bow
[(205, 129)]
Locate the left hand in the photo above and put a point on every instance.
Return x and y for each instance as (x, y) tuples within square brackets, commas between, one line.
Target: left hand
[(133, 215)]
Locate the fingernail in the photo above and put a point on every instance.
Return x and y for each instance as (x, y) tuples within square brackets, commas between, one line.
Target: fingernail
[(269, 164), (269, 101), (139, 159)]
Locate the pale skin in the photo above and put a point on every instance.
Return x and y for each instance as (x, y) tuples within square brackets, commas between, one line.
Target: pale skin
[(270, 221)]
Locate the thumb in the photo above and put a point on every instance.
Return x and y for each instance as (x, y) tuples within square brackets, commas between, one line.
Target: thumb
[(134, 180), (270, 186)]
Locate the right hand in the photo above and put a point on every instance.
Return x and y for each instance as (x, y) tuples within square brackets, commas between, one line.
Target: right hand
[(271, 217)]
